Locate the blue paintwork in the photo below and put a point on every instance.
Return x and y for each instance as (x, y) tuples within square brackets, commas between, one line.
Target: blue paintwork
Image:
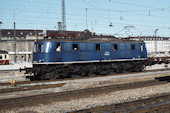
[(87, 51)]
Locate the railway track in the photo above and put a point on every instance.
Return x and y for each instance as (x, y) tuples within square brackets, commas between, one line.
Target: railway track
[(29, 88), (55, 85), (75, 94), (85, 77), (153, 104), (29, 82)]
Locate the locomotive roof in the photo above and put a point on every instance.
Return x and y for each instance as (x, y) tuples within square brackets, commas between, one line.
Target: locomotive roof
[(3, 52), (94, 39)]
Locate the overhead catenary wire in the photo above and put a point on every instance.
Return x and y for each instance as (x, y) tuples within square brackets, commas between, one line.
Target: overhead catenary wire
[(73, 15)]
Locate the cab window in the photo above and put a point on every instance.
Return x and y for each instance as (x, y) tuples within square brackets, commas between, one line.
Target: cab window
[(75, 47), (115, 48), (132, 47), (35, 48), (39, 48), (98, 47), (58, 48), (0, 56)]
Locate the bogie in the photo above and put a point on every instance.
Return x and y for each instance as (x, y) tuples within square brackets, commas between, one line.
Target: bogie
[(50, 72)]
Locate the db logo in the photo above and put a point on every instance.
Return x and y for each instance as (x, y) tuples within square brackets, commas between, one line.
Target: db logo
[(107, 53)]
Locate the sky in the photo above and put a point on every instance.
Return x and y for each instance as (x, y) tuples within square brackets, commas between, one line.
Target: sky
[(127, 17)]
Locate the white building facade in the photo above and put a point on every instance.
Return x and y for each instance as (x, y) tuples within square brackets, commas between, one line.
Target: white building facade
[(159, 46)]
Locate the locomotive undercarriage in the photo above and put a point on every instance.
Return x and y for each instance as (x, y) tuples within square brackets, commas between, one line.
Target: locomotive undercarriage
[(53, 71)]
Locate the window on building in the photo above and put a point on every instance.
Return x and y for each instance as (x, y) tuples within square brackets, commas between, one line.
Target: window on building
[(0, 56), (58, 48), (29, 57), (115, 48), (75, 47), (98, 47), (133, 47)]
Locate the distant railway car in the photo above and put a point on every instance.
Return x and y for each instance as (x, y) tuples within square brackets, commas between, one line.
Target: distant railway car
[(4, 57), (159, 60), (58, 58)]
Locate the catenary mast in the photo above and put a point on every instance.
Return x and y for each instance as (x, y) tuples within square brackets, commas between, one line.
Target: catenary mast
[(63, 16)]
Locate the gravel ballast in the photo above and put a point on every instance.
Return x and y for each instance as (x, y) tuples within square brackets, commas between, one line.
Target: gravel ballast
[(100, 100)]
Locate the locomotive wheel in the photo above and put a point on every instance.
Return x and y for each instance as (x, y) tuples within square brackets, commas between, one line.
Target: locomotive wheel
[(50, 76), (37, 76), (138, 68)]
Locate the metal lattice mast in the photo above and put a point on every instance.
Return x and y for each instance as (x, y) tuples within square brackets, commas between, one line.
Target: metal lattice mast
[(63, 16)]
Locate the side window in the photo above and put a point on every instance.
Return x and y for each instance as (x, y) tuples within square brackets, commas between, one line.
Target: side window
[(98, 47), (5, 56), (75, 47), (132, 47), (141, 47), (0, 56), (115, 48), (58, 48)]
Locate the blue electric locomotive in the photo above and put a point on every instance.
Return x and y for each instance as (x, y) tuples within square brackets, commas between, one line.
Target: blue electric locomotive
[(56, 58)]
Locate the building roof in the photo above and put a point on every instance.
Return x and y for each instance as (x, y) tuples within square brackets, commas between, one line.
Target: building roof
[(23, 33)]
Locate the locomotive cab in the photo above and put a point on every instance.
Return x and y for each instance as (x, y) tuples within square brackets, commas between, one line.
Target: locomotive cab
[(47, 52)]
